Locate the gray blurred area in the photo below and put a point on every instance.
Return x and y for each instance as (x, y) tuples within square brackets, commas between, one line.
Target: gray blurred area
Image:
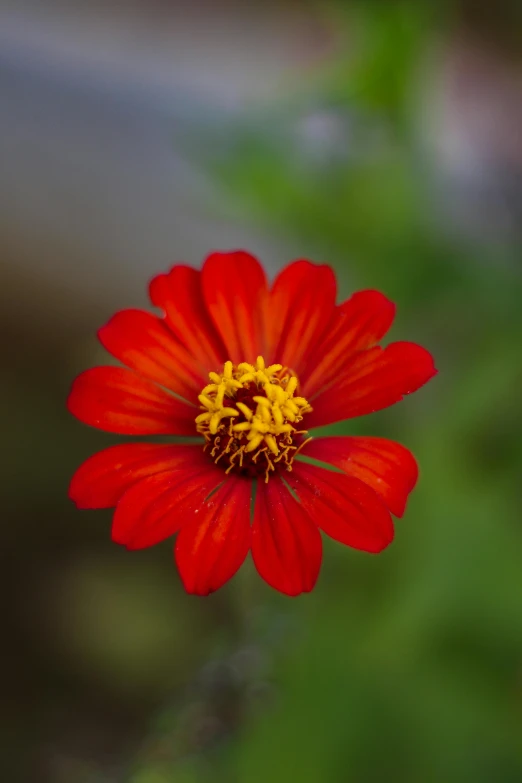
[(96, 194)]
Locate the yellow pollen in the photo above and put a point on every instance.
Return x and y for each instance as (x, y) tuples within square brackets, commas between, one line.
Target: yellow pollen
[(249, 417)]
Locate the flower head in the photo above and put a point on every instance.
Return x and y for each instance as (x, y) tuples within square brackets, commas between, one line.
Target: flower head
[(250, 370)]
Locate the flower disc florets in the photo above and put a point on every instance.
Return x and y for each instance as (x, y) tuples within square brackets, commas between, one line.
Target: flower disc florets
[(251, 417)]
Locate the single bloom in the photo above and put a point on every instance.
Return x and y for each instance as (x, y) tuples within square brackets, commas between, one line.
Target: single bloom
[(250, 370)]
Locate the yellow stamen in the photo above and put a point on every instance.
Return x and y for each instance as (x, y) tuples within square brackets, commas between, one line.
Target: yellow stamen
[(265, 432), (245, 410), (272, 444), (227, 370), (254, 443), (243, 427)]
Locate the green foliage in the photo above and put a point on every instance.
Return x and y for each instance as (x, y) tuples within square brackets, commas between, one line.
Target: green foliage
[(384, 43)]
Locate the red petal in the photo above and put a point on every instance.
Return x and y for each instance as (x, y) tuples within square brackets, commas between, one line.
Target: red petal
[(357, 324), (144, 343), (180, 296), (236, 292), (387, 467), (212, 548), (103, 478), (114, 399), (286, 544), (372, 380), (302, 301), (344, 507), (157, 506)]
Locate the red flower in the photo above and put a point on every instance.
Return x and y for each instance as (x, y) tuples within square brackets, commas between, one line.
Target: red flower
[(250, 369)]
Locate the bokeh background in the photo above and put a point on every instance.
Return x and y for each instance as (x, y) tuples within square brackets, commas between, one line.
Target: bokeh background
[(386, 139)]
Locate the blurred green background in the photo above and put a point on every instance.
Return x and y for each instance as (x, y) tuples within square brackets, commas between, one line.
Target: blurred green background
[(385, 139)]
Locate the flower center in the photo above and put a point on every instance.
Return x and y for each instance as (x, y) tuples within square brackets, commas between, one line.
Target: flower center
[(250, 418)]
